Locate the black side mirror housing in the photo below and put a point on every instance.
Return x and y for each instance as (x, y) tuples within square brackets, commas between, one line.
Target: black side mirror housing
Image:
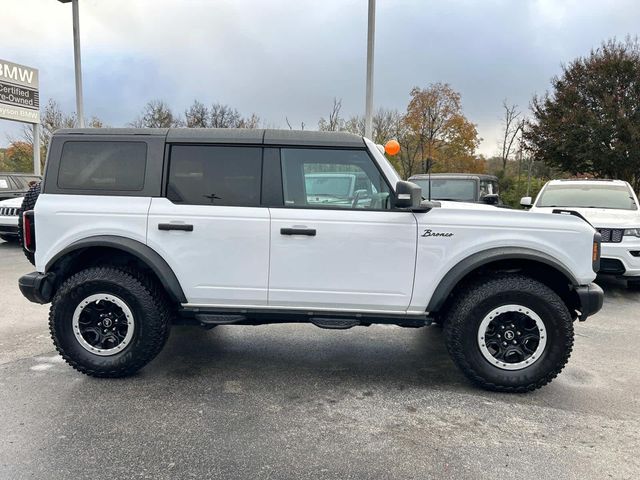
[(408, 195)]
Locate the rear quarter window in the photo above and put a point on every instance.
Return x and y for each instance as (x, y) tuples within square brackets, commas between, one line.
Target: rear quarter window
[(102, 165)]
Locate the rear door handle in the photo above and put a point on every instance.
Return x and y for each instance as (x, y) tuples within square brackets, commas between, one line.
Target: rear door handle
[(309, 232), (185, 227)]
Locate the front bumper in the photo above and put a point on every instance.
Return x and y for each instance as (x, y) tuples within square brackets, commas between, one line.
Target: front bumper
[(621, 258), (37, 287), (8, 230), (591, 298), (8, 225)]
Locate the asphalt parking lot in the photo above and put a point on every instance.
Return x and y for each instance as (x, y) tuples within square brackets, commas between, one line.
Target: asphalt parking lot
[(295, 401)]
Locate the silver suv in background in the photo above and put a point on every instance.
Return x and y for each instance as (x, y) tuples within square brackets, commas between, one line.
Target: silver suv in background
[(459, 187), (14, 185)]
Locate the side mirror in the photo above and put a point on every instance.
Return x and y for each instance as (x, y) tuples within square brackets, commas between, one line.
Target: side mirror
[(526, 202), (491, 199), (408, 195)]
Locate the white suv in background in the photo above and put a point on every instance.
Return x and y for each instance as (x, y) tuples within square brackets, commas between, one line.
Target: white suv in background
[(611, 206), (9, 219)]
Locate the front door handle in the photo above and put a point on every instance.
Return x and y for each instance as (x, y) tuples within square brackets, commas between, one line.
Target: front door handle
[(185, 227), (309, 232)]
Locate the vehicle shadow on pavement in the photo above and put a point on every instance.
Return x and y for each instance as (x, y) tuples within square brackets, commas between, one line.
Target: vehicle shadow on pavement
[(4, 245), (386, 356)]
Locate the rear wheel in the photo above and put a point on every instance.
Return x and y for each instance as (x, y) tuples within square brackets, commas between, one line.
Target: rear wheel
[(108, 322), (511, 333)]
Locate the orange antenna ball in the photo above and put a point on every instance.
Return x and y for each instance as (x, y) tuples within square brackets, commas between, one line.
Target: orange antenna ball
[(392, 147)]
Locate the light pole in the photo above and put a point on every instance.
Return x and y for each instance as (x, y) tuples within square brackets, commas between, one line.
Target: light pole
[(76, 60), (368, 109)]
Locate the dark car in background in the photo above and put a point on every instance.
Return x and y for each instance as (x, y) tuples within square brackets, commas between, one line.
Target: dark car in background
[(14, 185), (459, 187)]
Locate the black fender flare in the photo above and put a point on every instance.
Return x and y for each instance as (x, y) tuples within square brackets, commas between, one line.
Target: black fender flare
[(143, 252), (466, 266)]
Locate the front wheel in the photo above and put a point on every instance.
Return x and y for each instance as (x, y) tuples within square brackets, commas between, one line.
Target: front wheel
[(510, 334), (108, 322)]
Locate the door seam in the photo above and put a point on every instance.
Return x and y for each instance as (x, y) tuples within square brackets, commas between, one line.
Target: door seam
[(269, 262)]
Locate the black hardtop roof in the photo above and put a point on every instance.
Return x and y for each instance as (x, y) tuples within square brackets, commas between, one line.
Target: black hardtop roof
[(231, 135), (481, 176)]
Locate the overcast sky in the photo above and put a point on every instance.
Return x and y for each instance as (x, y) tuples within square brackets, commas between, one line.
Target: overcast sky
[(290, 58)]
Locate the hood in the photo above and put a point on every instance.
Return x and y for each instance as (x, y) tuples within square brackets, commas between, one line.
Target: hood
[(603, 217), (12, 202)]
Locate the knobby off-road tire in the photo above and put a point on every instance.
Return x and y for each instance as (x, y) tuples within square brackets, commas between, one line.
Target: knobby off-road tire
[(9, 238), (28, 203), (126, 293), (485, 301)]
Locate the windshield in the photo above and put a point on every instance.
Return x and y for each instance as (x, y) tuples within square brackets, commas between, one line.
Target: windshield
[(587, 196), (449, 189), (338, 185)]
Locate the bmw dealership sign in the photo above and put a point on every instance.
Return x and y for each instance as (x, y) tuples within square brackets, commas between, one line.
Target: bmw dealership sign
[(19, 96)]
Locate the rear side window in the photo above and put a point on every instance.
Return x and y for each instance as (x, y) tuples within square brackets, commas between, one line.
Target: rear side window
[(215, 175), (103, 166)]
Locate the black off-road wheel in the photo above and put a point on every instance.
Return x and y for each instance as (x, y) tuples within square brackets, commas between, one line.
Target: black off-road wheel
[(28, 203), (509, 334), (109, 322)]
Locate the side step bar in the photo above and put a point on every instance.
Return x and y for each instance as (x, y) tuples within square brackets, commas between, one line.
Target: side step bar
[(334, 323), (209, 318), (219, 319)]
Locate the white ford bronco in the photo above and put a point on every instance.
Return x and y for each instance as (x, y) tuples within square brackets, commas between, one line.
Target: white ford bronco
[(137, 229)]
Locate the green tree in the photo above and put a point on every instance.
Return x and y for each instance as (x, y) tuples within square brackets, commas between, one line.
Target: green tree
[(18, 157), (590, 122)]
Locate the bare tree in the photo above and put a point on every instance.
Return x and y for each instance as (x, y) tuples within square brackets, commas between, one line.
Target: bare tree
[(513, 126), (197, 115), (156, 114), (53, 118), (224, 116), (302, 125), (252, 121), (388, 124), (335, 123)]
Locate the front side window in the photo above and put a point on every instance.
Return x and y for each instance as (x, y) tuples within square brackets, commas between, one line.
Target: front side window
[(332, 179), (587, 196), (215, 175), (103, 166)]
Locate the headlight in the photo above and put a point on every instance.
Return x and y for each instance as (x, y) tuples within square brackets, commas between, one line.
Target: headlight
[(632, 232)]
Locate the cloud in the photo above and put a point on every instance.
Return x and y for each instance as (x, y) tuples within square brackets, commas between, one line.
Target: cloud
[(288, 58)]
